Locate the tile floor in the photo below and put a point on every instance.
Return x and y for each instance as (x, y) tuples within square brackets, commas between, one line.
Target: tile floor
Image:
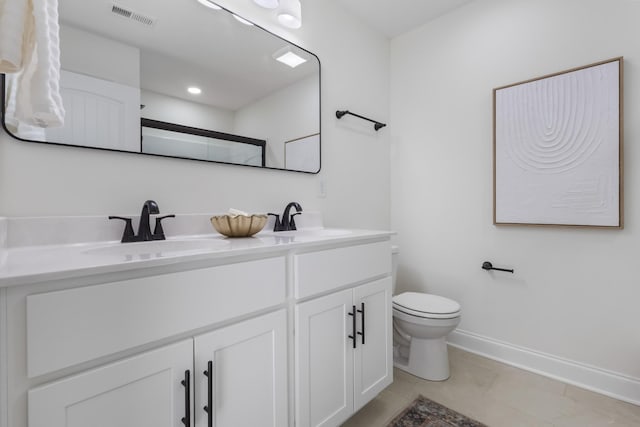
[(500, 395)]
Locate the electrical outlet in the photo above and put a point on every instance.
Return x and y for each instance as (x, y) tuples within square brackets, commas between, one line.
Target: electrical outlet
[(322, 189)]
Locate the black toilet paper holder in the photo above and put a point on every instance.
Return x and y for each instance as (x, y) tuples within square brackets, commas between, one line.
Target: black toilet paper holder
[(488, 266)]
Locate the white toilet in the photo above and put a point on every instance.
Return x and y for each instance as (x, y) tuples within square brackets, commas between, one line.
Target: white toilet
[(421, 323)]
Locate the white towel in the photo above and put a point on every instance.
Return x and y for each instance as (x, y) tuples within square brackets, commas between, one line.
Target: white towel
[(17, 128), (11, 89), (38, 101), (16, 34)]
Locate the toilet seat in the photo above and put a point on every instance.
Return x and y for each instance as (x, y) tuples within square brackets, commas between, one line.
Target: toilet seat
[(426, 305)]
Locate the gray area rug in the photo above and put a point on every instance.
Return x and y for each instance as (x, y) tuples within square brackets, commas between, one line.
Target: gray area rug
[(427, 413)]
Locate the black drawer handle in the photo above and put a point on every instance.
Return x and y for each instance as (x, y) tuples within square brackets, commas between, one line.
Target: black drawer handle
[(361, 311), (209, 408), (353, 326), (186, 420)]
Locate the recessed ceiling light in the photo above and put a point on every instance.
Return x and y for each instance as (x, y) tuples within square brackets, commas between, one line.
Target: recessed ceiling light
[(194, 90), (288, 57), (209, 4), (244, 21)]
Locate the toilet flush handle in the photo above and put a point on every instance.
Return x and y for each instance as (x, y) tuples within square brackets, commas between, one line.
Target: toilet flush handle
[(488, 266)]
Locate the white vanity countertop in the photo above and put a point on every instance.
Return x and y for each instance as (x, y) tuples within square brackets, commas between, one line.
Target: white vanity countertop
[(38, 263)]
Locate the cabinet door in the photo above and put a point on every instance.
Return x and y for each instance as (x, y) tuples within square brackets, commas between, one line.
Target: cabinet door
[(373, 356), (246, 374), (141, 391), (324, 360)]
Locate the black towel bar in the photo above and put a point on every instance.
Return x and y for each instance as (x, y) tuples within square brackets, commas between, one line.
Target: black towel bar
[(376, 124)]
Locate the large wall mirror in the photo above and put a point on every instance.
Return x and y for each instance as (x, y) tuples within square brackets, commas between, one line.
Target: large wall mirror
[(179, 79)]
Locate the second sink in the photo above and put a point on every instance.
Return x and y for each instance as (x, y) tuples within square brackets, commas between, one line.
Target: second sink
[(157, 249), (313, 233)]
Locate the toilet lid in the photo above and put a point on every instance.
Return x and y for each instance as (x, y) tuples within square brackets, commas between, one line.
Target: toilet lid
[(426, 305)]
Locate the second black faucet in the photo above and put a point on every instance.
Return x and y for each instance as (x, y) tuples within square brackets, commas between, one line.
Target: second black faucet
[(288, 222)]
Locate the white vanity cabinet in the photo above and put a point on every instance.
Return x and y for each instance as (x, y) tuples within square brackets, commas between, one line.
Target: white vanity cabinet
[(324, 360), (241, 373), (276, 331), (148, 390), (373, 356), (231, 314), (343, 342), (247, 362)]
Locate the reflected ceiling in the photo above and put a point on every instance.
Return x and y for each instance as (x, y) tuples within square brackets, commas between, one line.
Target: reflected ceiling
[(210, 33)]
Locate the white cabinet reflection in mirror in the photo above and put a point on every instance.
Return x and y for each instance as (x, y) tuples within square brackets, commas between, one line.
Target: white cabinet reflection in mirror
[(99, 113)]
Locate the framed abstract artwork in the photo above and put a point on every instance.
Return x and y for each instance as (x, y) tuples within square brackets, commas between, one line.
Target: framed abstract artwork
[(557, 148)]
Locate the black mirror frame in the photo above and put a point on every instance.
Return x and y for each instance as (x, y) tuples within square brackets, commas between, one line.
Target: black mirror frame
[(211, 132)]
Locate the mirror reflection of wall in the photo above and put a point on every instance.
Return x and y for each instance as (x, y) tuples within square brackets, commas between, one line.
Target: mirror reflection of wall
[(302, 154), (275, 118), (117, 70)]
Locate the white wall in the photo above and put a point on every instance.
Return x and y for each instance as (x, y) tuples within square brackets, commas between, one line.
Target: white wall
[(571, 308), (37, 179)]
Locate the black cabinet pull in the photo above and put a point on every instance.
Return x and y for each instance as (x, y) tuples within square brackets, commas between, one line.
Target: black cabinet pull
[(209, 408), (353, 326), (361, 311), (186, 420)]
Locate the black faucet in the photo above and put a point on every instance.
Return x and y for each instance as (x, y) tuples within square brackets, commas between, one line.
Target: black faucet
[(144, 229), (287, 222)]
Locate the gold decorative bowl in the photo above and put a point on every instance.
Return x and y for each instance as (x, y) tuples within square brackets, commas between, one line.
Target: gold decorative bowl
[(238, 225)]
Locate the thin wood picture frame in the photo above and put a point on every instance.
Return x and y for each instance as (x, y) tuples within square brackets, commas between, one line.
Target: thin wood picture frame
[(558, 149)]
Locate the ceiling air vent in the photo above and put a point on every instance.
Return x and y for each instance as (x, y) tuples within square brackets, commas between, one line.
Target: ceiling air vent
[(128, 13)]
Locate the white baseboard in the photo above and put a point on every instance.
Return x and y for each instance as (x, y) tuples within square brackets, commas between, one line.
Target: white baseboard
[(601, 381)]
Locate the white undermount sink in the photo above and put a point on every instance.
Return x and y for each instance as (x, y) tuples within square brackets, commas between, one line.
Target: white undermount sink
[(157, 248), (313, 233)]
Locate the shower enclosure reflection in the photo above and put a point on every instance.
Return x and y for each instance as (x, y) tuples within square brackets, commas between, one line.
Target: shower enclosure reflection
[(168, 139)]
